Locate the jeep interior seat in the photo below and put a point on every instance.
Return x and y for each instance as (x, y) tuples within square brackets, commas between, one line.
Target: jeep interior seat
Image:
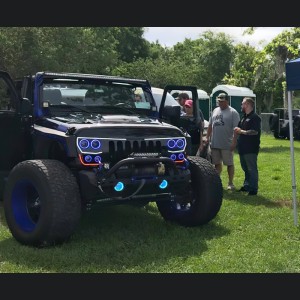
[(93, 98), (53, 96)]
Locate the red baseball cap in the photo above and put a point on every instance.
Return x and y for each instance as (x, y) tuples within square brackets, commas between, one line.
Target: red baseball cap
[(188, 103)]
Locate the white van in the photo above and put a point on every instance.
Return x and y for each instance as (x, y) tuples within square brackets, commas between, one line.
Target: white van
[(201, 94), (157, 95)]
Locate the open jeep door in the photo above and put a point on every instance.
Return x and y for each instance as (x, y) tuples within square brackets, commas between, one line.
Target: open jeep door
[(12, 123), (172, 114), (164, 112)]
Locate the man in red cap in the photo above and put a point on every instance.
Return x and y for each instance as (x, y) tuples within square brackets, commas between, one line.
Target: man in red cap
[(195, 127), (181, 98), (188, 107)]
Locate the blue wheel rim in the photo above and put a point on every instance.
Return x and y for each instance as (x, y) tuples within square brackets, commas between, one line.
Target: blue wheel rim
[(25, 205)]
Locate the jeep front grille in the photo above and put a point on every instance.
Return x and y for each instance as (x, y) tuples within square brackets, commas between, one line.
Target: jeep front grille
[(122, 149)]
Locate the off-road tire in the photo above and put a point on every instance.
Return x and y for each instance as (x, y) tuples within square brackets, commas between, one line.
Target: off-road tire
[(273, 121), (279, 133), (296, 128), (201, 202), (274, 125), (41, 202)]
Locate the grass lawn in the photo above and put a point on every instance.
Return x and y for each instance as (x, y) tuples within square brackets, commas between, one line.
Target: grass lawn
[(251, 234)]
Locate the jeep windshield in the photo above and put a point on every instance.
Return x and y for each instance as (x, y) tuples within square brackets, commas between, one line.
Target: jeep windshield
[(70, 96)]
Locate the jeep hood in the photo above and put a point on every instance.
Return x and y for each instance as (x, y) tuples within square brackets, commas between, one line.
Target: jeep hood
[(103, 119), (119, 124)]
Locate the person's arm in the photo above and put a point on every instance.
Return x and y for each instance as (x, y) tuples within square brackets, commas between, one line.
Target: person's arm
[(251, 131), (234, 139), (246, 132), (201, 115), (208, 133), (201, 136), (202, 118), (236, 116)]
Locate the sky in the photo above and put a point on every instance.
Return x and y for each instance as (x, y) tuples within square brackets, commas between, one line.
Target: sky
[(169, 36)]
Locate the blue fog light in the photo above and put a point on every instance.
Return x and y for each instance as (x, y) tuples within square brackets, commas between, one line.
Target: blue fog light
[(97, 159), (88, 158), (173, 156), (180, 156), (119, 186), (163, 184)]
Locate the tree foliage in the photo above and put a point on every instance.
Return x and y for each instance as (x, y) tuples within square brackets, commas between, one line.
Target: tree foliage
[(130, 44), (242, 66), (70, 49), (201, 62), (205, 62)]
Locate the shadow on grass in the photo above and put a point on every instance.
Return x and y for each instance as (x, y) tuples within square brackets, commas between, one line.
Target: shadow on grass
[(115, 240), (2, 217), (242, 197)]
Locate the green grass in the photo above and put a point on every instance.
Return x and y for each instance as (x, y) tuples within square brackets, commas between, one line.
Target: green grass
[(253, 234)]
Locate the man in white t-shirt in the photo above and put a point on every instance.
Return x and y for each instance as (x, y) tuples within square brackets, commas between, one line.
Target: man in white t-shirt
[(220, 134)]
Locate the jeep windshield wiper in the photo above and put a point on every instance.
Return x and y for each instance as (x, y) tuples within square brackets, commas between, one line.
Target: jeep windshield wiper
[(120, 108), (73, 107), (75, 111)]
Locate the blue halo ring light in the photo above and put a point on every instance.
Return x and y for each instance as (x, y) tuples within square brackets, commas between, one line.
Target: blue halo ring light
[(84, 143), (163, 184), (173, 156), (180, 143), (95, 144), (171, 143), (119, 186)]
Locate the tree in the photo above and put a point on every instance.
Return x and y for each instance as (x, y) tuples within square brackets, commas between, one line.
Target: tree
[(130, 43), (269, 67), (242, 67), (201, 62), (26, 50)]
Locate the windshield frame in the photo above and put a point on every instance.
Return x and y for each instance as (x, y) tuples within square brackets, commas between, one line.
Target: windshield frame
[(102, 95)]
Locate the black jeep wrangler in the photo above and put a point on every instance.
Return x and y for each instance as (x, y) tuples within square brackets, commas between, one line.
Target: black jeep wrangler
[(279, 123), (71, 141)]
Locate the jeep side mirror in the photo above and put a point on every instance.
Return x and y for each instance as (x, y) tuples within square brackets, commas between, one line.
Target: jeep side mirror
[(26, 107)]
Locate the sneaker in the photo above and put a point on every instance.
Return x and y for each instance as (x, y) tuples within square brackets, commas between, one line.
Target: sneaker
[(252, 193), (243, 189), (231, 187)]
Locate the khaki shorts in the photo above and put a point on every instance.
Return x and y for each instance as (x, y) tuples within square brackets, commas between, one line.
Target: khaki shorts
[(220, 155)]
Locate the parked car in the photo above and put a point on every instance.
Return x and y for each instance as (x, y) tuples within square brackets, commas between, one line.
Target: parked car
[(279, 123)]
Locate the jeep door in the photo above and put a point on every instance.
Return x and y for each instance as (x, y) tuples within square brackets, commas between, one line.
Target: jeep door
[(13, 133)]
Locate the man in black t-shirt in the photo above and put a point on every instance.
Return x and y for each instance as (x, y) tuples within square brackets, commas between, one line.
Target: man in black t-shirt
[(248, 144)]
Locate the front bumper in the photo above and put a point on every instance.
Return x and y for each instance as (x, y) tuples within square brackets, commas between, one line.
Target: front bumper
[(134, 178)]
